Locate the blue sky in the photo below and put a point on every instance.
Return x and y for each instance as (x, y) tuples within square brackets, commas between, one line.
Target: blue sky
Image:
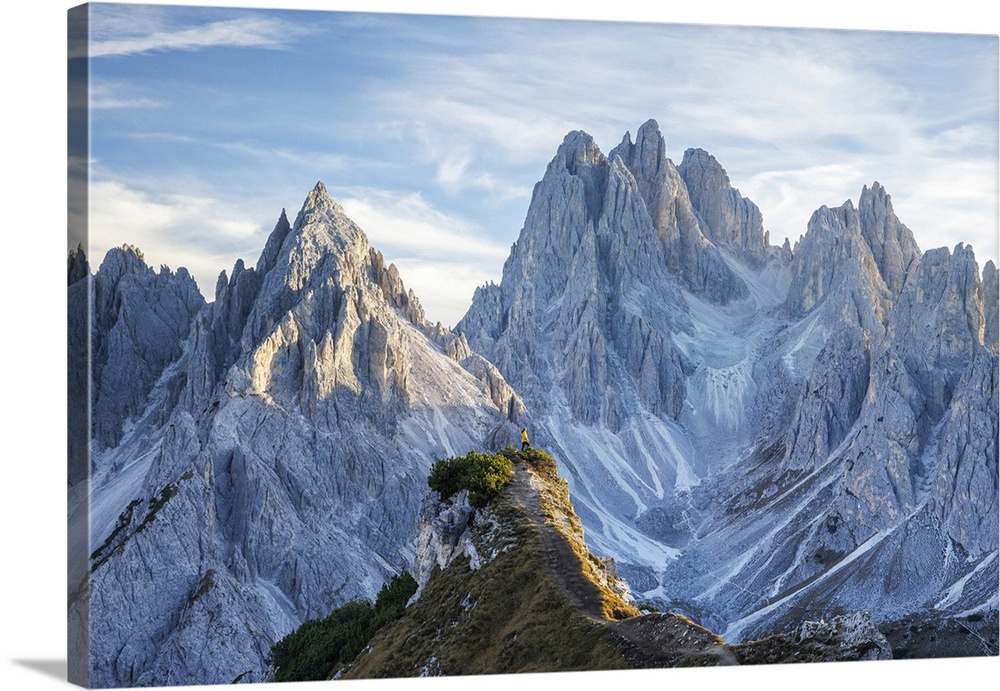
[(431, 130)]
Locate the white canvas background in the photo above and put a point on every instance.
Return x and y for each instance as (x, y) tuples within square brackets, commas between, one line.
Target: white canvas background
[(32, 271)]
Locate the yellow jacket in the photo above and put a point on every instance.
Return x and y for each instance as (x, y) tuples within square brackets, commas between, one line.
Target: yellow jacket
[(524, 436)]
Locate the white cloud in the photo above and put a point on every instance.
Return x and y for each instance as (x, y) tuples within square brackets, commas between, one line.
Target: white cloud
[(444, 287), (104, 95), (199, 233), (243, 32), (408, 225), (788, 198), (443, 259)]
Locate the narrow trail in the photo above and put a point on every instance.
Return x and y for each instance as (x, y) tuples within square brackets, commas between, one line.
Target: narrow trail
[(563, 561), (649, 640)]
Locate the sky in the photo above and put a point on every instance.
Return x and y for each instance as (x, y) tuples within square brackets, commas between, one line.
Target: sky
[(431, 130)]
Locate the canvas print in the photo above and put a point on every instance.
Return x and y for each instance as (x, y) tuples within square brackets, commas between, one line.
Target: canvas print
[(406, 345)]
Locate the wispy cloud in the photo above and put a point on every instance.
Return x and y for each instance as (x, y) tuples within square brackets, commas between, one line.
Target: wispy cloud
[(409, 225), (441, 257), (241, 32), (200, 233), (272, 155), (105, 94)]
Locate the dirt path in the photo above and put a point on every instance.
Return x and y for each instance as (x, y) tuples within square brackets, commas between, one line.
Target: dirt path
[(564, 563), (651, 640)]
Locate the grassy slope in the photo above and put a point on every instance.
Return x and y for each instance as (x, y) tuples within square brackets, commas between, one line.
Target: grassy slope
[(513, 614)]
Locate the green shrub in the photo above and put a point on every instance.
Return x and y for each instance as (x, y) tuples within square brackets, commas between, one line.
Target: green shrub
[(312, 651), (536, 458), (484, 475), (392, 599)]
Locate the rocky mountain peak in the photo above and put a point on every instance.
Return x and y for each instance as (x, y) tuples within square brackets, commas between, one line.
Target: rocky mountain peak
[(892, 244), (297, 416), (833, 263), (77, 266), (647, 155), (325, 219), (121, 261), (990, 306), (141, 318), (579, 148), (728, 218), (269, 255), (690, 253), (581, 158), (941, 320)]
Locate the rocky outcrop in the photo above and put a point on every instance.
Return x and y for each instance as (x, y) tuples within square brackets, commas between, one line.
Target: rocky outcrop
[(853, 636), (141, 318), (443, 535), (77, 267), (527, 545), (892, 244), (728, 218), (689, 211)]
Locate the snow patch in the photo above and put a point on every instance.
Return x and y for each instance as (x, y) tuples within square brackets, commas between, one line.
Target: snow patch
[(956, 590)]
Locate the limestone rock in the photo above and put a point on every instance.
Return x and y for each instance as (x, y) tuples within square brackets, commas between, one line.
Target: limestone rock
[(892, 244), (853, 636), (141, 318), (729, 219)]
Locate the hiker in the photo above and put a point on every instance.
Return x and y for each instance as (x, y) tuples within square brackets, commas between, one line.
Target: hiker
[(524, 438)]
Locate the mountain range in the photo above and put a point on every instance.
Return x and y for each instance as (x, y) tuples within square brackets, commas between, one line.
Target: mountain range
[(757, 435)]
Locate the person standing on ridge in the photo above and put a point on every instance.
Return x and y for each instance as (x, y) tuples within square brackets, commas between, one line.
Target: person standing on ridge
[(524, 438)]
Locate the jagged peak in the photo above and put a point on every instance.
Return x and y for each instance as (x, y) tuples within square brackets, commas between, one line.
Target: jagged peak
[(649, 127), (705, 160), (878, 191), (77, 266), (221, 283), (318, 197), (845, 210), (991, 306), (321, 212), (646, 137), (727, 217), (892, 244), (275, 240), (579, 148), (122, 260), (834, 258)]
